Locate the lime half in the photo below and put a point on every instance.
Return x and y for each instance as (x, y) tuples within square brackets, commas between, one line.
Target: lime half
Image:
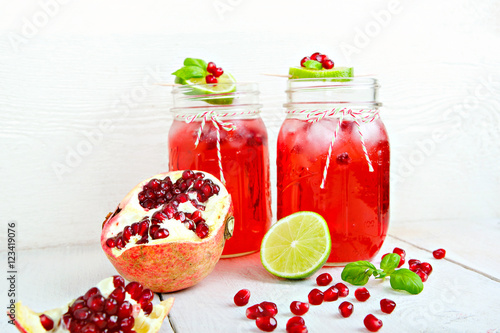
[(305, 73), (220, 92), (296, 246)]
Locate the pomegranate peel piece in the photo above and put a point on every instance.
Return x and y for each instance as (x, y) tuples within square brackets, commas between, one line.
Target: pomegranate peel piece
[(185, 255), (28, 321)]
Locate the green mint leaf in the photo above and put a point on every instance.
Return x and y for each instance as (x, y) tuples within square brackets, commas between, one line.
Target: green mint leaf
[(195, 62), (189, 72), (313, 64), (390, 262), (358, 273), (404, 279)]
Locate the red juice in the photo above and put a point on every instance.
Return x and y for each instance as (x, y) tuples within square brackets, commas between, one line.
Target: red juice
[(354, 201), (245, 164)]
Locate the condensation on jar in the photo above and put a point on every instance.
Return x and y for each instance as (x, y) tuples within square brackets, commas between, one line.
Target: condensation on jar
[(223, 134), (333, 158)]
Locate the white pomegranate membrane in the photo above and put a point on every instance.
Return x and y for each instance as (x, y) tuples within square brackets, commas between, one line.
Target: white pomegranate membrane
[(171, 210)]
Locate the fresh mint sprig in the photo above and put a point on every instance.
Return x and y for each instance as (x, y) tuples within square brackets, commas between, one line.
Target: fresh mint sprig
[(358, 273), (193, 68)]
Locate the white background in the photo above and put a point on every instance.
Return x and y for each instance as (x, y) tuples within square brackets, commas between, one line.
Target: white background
[(82, 120)]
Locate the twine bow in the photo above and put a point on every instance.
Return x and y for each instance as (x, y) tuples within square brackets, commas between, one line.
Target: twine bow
[(218, 124), (359, 116)]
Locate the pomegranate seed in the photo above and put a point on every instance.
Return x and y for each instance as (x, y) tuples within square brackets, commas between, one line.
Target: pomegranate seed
[(199, 175), (402, 254), (187, 174), (372, 323), (218, 72), (297, 329), (180, 216), (126, 324), (414, 264), (295, 321), (125, 310), (321, 58), (143, 228), (201, 230), (426, 268), (46, 322), (215, 189), (96, 303), (299, 308), (343, 159), (89, 328), (182, 198), (211, 67), (66, 318), (127, 233), (423, 276), (210, 79), (327, 64), (315, 55), (345, 309), (315, 297), (91, 292), (324, 279), (160, 216), (196, 216), (99, 319), (254, 311), (189, 225), (207, 190), (78, 304), (82, 314), (118, 281), (387, 305), (198, 183), (266, 323), (269, 309), (118, 294), (146, 297), (110, 306), (135, 228), (110, 242), (113, 322), (242, 297), (148, 308), (134, 289), (343, 290), (153, 229), (161, 233), (120, 243), (331, 294), (362, 294), (439, 253)]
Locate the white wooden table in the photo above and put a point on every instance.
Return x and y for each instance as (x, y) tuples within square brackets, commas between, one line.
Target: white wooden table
[(461, 295)]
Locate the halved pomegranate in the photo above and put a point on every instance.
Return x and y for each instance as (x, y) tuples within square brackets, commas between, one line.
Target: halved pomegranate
[(108, 307), (169, 231)]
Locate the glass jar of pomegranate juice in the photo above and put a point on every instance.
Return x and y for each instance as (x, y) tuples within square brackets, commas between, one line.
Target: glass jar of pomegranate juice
[(223, 134), (333, 159)]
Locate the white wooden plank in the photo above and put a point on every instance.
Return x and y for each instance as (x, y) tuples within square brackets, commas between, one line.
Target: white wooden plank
[(49, 278), (454, 299)]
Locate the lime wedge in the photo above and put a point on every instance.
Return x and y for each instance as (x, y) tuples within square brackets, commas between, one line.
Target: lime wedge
[(305, 73), (296, 246), (225, 86)]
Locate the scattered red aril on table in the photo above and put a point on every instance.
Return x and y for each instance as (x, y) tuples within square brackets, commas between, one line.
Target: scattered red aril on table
[(255, 311), (266, 323), (387, 305), (242, 297), (439, 253), (269, 309), (297, 329), (423, 276), (297, 320), (299, 308), (426, 267), (402, 254), (362, 294), (331, 294), (342, 288), (345, 309), (315, 297), (372, 323), (324, 279), (414, 264)]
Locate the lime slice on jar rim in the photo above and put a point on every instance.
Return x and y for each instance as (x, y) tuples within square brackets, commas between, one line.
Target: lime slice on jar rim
[(296, 246), (306, 73)]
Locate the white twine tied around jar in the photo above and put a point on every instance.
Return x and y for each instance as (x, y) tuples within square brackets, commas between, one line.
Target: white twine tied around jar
[(214, 117), (359, 116)]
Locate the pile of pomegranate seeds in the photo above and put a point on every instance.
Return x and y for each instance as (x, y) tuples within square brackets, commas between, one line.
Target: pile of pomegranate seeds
[(264, 314), (167, 196), (401, 253), (214, 71), (94, 313), (322, 58), (422, 269)]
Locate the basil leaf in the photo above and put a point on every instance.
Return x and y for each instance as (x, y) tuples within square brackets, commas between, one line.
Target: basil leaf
[(404, 279), (379, 274), (189, 72), (195, 62), (390, 262), (313, 64), (358, 273)]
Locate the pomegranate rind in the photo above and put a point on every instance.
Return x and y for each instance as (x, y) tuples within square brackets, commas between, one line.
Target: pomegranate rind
[(169, 264), (28, 321)]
